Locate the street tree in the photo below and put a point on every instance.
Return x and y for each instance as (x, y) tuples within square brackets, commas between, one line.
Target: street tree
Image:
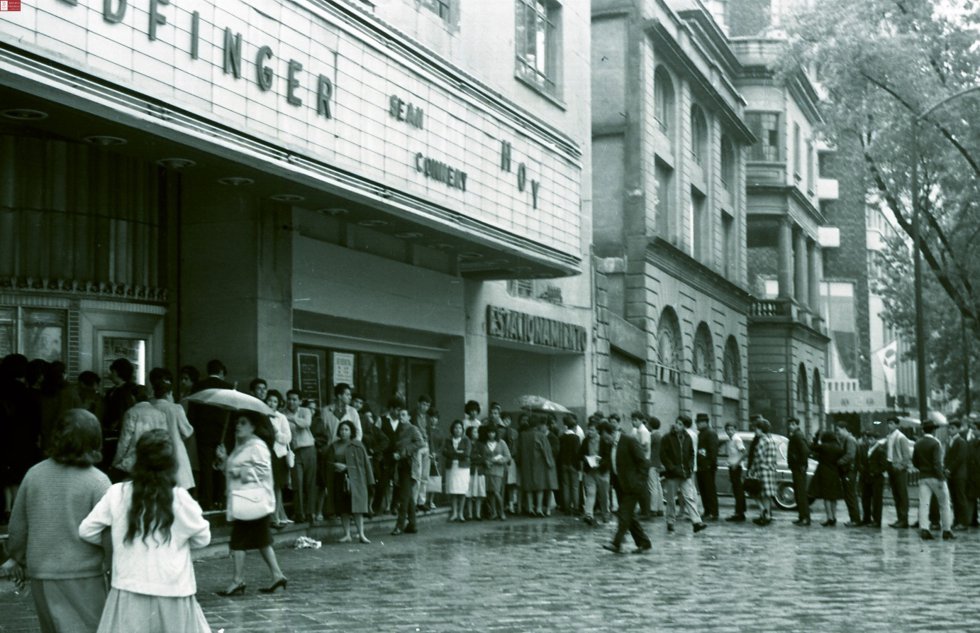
[(902, 87)]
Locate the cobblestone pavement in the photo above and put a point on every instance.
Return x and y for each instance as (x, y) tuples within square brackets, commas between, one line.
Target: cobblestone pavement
[(551, 575)]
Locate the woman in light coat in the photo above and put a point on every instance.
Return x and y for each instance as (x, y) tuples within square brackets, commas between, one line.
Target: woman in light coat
[(280, 455), (179, 428), (248, 472)]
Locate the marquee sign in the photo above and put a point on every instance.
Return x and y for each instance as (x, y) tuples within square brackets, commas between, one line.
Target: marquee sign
[(317, 80)]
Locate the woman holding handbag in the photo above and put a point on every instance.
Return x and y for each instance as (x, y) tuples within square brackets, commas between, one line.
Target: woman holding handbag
[(250, 498)]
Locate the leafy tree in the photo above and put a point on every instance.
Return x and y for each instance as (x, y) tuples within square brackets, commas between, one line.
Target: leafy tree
[(902, 88)]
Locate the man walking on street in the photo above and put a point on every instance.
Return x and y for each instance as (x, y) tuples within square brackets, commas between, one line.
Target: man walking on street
[(629, 466), (677, 456), (735, 449), (899, 457), (927, 457), (707, 466), (797, 457)]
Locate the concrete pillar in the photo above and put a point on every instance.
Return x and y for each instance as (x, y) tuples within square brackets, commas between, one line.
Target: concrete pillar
[(462, 373), (802, 275), (785, 259), (235, 284), (815, 256)]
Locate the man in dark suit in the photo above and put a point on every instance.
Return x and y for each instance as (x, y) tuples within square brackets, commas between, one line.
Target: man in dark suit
[(386, 473), (872, 480), (956, 468), (209, 425), (677, 457), (407, 466), (707, 461), (797, 455), (629, 467)]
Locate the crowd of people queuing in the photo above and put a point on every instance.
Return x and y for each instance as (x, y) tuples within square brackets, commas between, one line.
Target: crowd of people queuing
[(121, 481)]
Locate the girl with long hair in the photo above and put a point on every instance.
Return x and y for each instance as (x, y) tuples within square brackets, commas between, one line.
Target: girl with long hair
[(154, 526)]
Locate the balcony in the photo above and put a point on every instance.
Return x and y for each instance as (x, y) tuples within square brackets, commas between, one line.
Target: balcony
[(827, 189), (784, 311)]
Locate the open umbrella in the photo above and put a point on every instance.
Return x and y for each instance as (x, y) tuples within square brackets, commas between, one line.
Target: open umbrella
[(540, 403), (230, 399)]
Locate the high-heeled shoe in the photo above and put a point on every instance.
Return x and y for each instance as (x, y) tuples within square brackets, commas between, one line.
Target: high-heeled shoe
[(345, 539), (237, 590), (272, 588), (363, 538)]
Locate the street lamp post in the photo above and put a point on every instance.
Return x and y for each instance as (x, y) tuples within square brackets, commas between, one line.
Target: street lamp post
[(920, 325)]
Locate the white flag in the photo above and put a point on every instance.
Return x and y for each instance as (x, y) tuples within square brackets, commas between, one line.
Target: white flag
[(888, 356)]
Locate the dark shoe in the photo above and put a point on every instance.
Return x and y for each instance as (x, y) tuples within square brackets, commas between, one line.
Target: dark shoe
[(642, 549), (612, 548), (670, 527), (237, 590), (948, 536), (699, 526), (926, 535), (762, 520), (411, 530), (736, 518), (396, 532), (829, 523), (899, 525), (272, 588), (711, 517), (802, 522), (853, 525)]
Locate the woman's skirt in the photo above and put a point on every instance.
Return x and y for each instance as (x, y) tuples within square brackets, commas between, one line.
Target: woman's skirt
[(127, 611), (69, 605), (457, 480), (512, 473), (495, 484), (478, 486), (247, 535)]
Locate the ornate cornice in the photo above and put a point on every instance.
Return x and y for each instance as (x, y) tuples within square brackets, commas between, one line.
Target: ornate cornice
[(82, 289), (676, 262)]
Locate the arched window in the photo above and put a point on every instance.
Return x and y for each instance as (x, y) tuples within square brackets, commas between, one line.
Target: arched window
[(727, 163), (732, 363), (669, 350), (699, 136), (663, 94), (704, 354), (802, 384), (816, 391)]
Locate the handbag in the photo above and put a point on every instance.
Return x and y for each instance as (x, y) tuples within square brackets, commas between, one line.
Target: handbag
[(753, 486), (249, 504), (290, 458)]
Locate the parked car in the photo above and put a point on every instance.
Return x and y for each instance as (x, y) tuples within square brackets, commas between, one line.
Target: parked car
[(785, 493)]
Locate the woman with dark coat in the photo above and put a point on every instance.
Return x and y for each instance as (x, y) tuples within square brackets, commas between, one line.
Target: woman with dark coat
[(348, 478), (537, 467), (826, 480)]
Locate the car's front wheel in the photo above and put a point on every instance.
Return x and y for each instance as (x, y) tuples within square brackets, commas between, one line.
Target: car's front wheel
[(786, 496)]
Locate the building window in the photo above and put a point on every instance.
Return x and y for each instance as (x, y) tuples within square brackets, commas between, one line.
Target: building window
[(765, 126), (732, 366), (797, 151), (727, 164), (699, 136), (728, 253), (701, 227), (439, 7), (520, 287), (704, 357), (538, 24), (35, 333), (664, 176), (663, 94)]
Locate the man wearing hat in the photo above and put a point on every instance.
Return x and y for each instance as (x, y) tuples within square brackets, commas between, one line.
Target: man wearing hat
[(707, 466), (956, 471), (927, 457)]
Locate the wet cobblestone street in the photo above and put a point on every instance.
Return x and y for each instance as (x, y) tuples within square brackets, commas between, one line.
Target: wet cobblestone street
[(552, 575)]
